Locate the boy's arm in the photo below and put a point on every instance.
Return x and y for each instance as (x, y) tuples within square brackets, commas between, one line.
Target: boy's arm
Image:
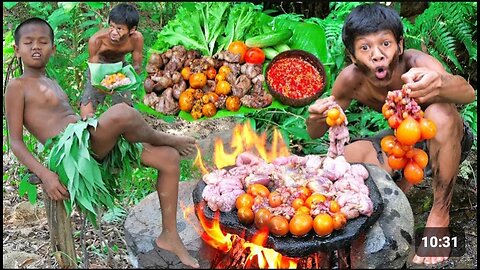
[(14, 107), (137, 54), (93, 48), (431, 83), (316, 121)]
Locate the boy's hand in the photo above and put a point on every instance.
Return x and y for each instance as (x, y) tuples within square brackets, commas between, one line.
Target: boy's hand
[(53, 187), (424, 83), (84, 118), (318, 109)]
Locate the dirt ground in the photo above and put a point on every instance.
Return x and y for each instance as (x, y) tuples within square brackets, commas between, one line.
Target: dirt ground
[(25, 227)]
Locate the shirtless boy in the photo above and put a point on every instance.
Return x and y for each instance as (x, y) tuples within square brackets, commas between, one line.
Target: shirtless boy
[(373, 36), (110, 46), (39, 104)]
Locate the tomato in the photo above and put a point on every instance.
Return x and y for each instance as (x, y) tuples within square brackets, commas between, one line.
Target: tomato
[(420, 157), (408, 132), (427, 128), (209, 97), (397, 151), (278, 225), (297, 203), (397, 163), (233, 103), (340, 119), (185, 101), (245, 215), (333, 113), (303, 210), (223, 88), (244, 200), (211, 72), (225, 70), (413, 173), (334, 206), (209, 109), (315, 198), (197, 80), (255, 56), (262, 218), (387, 143), (238, 47), (330, 122), (275, 199), (186, 72), (220, 77), (300, 224), (339, 220), (305, 192), (394, 121), (385, 108), (323, 224), (258, 190)]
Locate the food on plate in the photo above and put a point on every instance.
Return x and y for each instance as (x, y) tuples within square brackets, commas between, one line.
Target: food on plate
[(115, 80)]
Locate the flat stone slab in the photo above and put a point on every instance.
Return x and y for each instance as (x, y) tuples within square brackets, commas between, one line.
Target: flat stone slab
[(387, 243)]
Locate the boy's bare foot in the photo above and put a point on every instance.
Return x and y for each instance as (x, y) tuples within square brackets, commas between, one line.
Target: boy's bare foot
[(174, 244), (435, 219), (184, 145)]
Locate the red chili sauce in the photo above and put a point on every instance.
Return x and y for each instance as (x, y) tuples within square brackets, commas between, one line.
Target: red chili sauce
[(294, 78)]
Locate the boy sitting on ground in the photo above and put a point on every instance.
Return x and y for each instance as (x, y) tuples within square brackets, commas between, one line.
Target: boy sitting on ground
[(373, 36), (110, 46), (39, 104)]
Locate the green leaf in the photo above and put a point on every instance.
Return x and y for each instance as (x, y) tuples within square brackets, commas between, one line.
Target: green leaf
[(95, 5), (67, 6), (9, 5), (29, 189), (145, 109)]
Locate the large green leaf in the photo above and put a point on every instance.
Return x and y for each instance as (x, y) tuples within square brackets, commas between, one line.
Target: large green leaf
[(226, 113)]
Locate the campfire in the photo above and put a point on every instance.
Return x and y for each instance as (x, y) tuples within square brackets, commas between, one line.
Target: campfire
[(240, 245)]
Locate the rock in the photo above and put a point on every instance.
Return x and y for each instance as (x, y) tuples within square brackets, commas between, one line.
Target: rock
[(25, 212), (143, 225), (385, 245), (18, 259), (389, 241)]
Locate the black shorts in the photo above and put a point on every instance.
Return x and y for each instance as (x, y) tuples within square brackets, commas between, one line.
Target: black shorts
[(91, 94), (466, 144)]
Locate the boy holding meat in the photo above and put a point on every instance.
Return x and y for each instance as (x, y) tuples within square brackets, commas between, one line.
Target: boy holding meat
[(110, 46), (40, 105), (373, 36)]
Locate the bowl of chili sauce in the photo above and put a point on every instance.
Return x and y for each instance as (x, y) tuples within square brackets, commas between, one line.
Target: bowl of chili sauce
[(295, 78)]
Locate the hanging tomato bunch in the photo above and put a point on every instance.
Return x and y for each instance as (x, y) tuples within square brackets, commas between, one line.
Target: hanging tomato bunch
[(405, 116)]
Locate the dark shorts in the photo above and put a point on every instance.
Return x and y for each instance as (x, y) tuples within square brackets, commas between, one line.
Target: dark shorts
[(91, 94), (466, 144)]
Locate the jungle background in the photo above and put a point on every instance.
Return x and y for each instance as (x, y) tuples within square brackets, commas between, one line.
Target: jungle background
[(447, 31)]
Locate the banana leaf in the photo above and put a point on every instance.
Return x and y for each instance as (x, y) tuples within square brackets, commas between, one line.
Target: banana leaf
[(226, 113), (98, 72)]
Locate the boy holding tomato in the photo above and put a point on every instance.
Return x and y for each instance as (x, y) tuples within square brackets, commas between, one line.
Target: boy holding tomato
[(373, 36), (110, 46)]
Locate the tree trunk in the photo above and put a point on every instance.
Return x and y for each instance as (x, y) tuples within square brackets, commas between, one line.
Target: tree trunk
[(61, 237)]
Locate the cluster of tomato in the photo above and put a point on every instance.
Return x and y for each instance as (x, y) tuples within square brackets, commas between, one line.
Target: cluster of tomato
[(406, 118), (198, 103), (335, 117), (247, 55), (302, 221)]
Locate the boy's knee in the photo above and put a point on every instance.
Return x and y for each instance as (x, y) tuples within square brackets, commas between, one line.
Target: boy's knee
[(447, 120)]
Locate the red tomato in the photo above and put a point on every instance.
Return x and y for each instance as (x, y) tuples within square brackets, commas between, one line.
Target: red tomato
[(262, 218), (255, 56), (278, 225), (275, 199), (300, 224), (246, 215), (258, 190)]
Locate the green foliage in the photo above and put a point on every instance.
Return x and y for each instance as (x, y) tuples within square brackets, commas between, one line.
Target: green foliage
[(26, 188), (444, 29)]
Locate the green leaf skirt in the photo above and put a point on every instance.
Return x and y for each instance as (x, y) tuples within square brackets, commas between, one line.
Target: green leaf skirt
[(91, 184)]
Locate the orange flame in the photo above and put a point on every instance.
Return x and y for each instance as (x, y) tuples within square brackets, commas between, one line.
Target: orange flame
[(198, 161), (245, 139), (265, 258)]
